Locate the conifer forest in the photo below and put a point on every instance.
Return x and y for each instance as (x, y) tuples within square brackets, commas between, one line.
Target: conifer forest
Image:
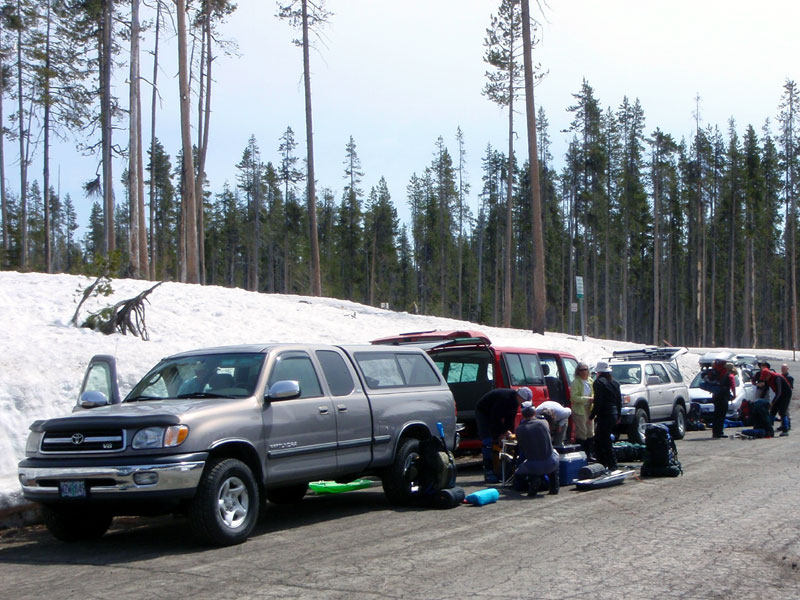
[(688, 240)]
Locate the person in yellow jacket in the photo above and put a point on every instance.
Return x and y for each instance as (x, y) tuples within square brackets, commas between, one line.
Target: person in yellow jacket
[(582, 396)]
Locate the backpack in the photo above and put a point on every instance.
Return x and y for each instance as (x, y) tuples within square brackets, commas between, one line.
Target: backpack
[(437, 468), (660, 453)]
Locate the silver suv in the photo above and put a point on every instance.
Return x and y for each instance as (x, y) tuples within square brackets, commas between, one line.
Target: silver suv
[(652, 390)]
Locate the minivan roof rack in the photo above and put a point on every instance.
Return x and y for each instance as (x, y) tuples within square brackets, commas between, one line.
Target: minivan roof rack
[(650, 353)]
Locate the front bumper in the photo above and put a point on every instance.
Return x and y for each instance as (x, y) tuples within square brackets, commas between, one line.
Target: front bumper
[(166, 477), (706, 410), (626, 416)]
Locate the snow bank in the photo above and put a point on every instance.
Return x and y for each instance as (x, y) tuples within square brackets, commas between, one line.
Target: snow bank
[(43, 357)]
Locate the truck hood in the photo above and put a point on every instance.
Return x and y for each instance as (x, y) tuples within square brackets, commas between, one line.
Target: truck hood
[(699, 395), (148, 413), (630, 389)]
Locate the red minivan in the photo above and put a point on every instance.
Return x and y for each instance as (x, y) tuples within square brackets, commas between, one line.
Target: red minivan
[(472, 366)]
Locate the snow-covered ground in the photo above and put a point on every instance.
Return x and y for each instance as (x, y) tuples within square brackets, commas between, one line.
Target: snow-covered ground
[(43, 357)]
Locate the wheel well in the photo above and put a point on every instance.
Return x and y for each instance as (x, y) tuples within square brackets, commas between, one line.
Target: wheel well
[(643, 405), (243, 452), (419, 431)]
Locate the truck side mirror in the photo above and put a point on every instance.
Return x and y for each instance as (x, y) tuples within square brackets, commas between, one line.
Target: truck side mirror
[(284, 390), (93, 399), (653, 380)]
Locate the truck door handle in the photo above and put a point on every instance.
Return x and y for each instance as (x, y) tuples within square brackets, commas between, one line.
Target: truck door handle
[(341, 408), (323, 410)]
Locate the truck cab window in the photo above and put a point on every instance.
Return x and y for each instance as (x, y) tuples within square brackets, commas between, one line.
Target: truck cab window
[(297, 367)]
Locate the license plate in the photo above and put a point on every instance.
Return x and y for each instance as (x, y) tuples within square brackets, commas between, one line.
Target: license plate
[(72, 489)]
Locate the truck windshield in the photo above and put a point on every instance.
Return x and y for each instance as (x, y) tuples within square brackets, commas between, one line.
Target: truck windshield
[(627, 373), (200, 376)]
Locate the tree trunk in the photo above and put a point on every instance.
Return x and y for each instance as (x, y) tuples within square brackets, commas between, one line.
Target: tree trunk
[(316, 280), (23, 164), (3, 198), (656, 244), (105, 116), (509, 184), (191, 268), (133, 146), (153, 245), (539, 295), (48, 242), (204, 118)]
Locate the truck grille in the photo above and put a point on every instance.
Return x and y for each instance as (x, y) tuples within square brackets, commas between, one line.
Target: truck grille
[(83, 441)]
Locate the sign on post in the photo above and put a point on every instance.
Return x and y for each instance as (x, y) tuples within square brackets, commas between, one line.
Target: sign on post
[(579, 294)]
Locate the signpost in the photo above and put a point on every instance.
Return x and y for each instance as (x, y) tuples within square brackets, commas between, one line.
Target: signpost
[(579, 294)]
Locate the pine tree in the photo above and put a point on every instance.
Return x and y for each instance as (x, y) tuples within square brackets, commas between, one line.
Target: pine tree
[(503, 43), (298, 14)]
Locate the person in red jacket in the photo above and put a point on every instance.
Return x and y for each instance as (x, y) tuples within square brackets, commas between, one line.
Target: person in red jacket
[(780, 403), (721, 397)]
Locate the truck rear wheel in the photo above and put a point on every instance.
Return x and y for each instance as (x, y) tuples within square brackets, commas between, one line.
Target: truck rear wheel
[(679, 422), (400, 480), (73, 524), (225, 507)]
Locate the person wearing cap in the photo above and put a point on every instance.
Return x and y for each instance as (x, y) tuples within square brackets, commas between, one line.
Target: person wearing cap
[(495, 414), (535, 448), (605, 412), (558, 420)]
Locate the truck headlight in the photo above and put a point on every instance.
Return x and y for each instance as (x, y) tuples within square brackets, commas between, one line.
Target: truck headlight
[(159, 437), (32, 445), (626, 399)]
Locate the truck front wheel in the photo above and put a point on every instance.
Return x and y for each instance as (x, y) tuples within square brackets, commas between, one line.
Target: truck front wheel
[(636, 429), (72, 524), (400, 480), (225, 507)]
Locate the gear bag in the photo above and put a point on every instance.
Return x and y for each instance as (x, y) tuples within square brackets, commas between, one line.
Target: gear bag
[(660, 453), (437, 469)]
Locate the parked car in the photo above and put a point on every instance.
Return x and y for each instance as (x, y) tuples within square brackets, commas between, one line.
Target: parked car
[(652, 389), (701, 399), (472, 366), (210, 432)]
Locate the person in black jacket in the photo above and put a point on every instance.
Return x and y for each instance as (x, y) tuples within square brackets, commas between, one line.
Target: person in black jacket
[(495, 415), (605, 412), (790, 379)]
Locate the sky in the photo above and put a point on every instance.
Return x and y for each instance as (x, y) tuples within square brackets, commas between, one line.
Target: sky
[(44, 357), (397, 75)]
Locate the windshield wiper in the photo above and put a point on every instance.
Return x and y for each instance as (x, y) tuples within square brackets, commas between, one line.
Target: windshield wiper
[(203, 395), (138, 398)]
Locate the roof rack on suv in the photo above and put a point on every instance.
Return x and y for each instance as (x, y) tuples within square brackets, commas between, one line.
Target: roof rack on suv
[(650, 353)]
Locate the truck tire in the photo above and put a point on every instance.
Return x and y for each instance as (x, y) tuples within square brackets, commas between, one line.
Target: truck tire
[(73, 524), (636, 428), (679, 420), (287, 495), (224, 510), (400, 479)]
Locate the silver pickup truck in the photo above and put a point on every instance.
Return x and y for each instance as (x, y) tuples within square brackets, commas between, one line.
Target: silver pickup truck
[(209, 433)]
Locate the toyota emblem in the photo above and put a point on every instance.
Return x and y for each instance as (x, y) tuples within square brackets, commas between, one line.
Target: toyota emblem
[(77, 438)]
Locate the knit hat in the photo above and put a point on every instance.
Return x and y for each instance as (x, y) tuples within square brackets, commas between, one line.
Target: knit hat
[(528, 410), (525, 393)]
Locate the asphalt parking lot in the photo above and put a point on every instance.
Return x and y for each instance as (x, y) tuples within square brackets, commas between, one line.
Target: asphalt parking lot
[(728, 527)]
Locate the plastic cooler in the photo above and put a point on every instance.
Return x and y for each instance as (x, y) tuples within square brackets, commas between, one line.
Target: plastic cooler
[(568, 466)]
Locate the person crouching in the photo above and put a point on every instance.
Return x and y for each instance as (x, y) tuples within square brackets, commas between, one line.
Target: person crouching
[(536, 448)]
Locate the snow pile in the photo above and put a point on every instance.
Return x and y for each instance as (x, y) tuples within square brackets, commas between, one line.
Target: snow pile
[(43, 357)]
